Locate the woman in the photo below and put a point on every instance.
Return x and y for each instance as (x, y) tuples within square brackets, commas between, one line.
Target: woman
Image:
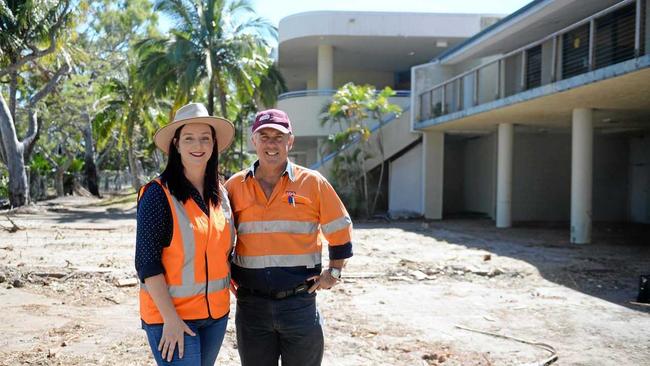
[(184, 236)]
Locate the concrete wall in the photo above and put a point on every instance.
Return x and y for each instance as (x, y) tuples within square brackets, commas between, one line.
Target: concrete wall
[(639, 179), (304, 112), (480, 174), (541, 177), (404, 184), (396, 135), (377, 78), (541, 182), (611, 169), (357, 23), (469, 175), (454, 182)]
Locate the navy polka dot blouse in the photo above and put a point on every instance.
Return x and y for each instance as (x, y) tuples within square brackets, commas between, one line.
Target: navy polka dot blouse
[(155, 229)]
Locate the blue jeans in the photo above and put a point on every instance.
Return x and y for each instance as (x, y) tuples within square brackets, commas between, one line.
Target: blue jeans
[(268, 329), (201, 349)]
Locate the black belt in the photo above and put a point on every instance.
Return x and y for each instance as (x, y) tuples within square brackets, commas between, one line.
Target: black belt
[(279, 295)]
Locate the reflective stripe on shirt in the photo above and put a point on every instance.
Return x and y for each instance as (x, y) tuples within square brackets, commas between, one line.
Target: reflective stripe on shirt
[(336, 225), (277, 226)]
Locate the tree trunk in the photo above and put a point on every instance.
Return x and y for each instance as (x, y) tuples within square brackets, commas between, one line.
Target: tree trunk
[(60, 169), (13, 149), (13, 89), (37, 186), (90, 169), (211, 97), (133, 166), (380, 145), (18, 184), (366, 200), (58, 182), (222, 94), (241, 143)]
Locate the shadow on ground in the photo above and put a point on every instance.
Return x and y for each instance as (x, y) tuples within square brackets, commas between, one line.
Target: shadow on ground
[(608, 268)]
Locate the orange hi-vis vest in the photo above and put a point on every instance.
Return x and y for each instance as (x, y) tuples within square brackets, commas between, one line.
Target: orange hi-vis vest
[(196, 261), (287, 229)]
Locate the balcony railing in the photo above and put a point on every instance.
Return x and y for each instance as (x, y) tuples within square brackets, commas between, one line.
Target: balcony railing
[(611, 36), (328, 92)]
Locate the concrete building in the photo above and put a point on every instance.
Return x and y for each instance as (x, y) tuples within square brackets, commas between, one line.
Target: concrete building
[(544, 116), (318, 52)]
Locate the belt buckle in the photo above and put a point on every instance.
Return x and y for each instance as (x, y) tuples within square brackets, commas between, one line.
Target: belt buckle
[(279, 295), (301, 288)]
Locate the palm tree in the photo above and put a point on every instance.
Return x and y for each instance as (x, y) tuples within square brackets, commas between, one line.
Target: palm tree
[(132, 110), (351, 109), (261, 88), (210, 42)]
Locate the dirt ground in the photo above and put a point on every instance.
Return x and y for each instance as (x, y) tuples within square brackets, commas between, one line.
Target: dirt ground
[(67, 295)]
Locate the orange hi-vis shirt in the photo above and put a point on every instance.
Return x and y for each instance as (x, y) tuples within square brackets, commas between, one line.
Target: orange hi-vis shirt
[(279, 240), (196, 261)]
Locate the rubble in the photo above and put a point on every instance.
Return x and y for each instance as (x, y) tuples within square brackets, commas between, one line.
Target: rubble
[(400, 296)]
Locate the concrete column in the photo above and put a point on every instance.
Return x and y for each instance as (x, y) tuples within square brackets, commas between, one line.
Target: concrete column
[(325, 66), (433, 167), (504, 175), (581, 175)]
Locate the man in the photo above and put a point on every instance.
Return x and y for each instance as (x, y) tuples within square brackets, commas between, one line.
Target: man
[(282, 211)]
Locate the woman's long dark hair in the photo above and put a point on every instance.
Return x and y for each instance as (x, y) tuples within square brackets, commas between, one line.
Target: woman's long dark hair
[(174, 177)]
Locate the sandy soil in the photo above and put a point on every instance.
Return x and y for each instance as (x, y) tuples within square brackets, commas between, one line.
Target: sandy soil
[(65, 296)]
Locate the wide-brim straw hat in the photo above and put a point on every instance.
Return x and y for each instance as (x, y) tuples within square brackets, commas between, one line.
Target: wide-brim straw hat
[(195, 113)]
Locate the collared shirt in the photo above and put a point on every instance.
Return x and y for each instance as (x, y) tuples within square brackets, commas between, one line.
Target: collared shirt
[(288, 170), (280, 238)]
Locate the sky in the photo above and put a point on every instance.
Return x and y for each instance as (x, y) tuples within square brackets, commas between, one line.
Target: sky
[(274, 10)]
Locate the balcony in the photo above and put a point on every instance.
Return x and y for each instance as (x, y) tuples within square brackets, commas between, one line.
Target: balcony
[(610, 37)]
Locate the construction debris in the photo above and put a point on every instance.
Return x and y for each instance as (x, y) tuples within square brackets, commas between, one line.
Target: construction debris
[(127, 282)]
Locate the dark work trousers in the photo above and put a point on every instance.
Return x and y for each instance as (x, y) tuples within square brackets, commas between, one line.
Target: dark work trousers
[(269, 329)]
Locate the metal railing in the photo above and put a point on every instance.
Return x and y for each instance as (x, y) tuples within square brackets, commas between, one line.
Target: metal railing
[(608, 37), (327, 92)]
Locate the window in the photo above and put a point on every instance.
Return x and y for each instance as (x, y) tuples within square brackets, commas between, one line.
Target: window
[(575, 52), (614, 40), (534, 67)]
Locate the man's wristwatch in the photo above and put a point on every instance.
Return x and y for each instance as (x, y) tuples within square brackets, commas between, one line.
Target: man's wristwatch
[(335, 272)]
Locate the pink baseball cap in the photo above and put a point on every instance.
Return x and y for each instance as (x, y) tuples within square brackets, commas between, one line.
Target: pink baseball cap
[(272, 118)]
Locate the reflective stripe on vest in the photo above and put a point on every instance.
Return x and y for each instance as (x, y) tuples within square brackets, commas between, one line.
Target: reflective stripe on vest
[(336, 225), (189, 286), (262, 261), (196, 288), (227, 212), (278, 226)]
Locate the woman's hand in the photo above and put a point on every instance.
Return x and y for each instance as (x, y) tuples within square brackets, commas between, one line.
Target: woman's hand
[(173, 334), (174, 328)]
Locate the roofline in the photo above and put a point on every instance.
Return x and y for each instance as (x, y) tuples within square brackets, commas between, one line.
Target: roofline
[(314, 12), (475, 38)]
